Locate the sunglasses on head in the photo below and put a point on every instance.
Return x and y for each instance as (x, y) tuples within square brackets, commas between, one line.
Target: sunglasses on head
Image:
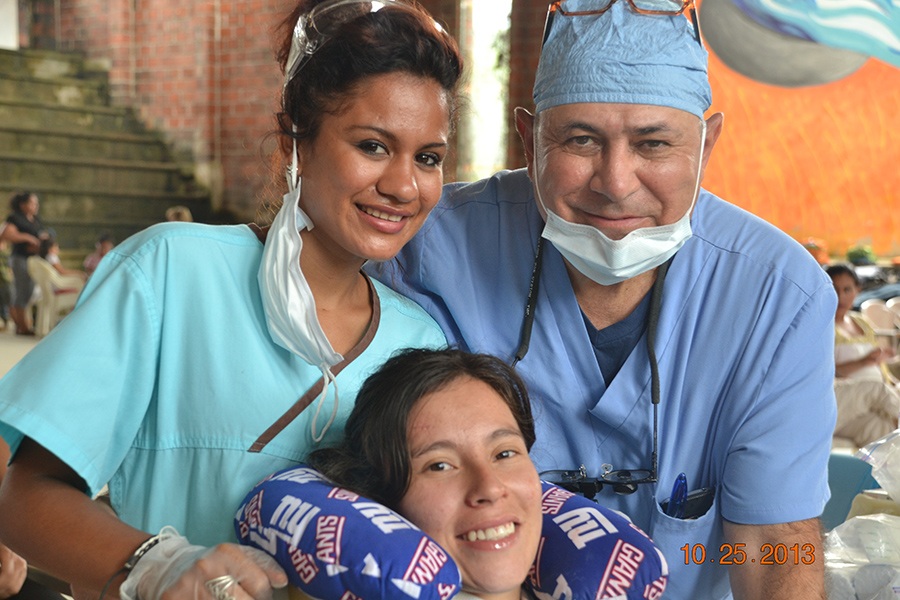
[(644, 7)]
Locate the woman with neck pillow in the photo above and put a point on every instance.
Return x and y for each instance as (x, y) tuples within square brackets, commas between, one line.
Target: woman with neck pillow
[(431, 495)]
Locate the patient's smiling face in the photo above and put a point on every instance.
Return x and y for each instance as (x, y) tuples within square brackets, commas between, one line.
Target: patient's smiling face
[(473, 487)]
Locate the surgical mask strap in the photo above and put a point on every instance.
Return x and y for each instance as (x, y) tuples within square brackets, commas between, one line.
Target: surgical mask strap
[(700, 163), (328, 379), (293, 175)]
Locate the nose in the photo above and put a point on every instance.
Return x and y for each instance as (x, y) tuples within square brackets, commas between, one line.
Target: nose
[(398, 180), (616, 172), (485, 486)]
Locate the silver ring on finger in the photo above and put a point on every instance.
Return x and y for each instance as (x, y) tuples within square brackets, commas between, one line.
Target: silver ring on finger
[(219, 586)]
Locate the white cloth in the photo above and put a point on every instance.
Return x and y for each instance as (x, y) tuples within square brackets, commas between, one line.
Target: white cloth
[(867, 409)]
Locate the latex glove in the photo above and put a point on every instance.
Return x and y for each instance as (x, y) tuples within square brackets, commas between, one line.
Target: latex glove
[(13, 571), (174, 569)]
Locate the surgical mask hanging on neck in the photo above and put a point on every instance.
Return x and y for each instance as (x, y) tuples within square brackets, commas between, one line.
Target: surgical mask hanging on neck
[(288, 301), (607, 261)]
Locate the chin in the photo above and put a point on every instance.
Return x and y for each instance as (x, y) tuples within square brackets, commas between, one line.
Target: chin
[(379, 254), (481, 591), (378, 257), (496, 581)]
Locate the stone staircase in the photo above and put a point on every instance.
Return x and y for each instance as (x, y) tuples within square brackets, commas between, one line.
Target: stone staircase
[(95, 167)]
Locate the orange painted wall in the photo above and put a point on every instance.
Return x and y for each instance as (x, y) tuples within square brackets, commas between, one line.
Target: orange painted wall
[(820, 161)]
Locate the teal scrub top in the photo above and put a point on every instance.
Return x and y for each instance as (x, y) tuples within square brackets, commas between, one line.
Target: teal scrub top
[(165, 374)]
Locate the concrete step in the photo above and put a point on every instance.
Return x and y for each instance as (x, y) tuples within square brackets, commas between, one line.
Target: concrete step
[(65, 91), (46, 64), (96, 168), (20, 113), (79, 215), (74, 204), (42, 143), (101, 174)]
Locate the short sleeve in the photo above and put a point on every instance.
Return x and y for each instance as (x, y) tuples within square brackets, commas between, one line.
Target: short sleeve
[(776, 471), (82, 392)]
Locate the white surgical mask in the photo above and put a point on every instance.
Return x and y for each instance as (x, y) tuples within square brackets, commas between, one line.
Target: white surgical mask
[(288, 301), (608, 261)]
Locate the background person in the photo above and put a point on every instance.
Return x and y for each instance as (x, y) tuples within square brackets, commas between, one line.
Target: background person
[(194, 348), (6, 279), (24, 230), (743, 331), (49, 251), (179, 213), (105, 242), (868, 399)]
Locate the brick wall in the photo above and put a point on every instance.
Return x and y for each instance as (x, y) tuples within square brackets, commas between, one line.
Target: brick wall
[(203, 72), (446, 12), (526, 26), (37, 24)]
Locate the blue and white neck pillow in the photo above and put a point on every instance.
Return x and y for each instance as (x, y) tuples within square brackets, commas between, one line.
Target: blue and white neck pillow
[(337, 545)]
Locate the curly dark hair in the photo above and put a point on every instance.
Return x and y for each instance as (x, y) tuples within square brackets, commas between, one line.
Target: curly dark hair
[(401, 37)]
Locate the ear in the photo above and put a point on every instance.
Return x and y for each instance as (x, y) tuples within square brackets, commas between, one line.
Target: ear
[(525, 127), (714, 126)]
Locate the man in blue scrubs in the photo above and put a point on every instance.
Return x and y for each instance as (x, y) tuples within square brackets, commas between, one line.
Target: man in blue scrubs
[(606, 240)]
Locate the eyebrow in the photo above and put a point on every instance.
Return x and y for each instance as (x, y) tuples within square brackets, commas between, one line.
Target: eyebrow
[(393, 138), (448, 445), (650, 129)]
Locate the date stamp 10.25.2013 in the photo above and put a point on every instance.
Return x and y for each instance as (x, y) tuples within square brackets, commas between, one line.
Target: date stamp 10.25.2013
[(736, 554)]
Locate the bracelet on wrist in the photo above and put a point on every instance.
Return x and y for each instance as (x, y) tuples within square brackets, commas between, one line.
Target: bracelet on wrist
[(133, 559)]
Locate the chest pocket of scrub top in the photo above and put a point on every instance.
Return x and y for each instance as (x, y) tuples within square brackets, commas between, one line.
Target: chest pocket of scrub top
[(683, 541)]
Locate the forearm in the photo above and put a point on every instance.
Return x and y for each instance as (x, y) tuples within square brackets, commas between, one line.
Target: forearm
[(849, 368), (63, 531), (14, 236), (782, 562)]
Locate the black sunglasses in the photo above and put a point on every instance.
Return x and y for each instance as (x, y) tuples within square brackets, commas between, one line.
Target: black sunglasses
[(622, 481)]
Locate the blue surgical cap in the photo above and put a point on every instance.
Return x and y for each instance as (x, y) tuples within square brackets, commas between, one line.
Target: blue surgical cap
[(623, 57)]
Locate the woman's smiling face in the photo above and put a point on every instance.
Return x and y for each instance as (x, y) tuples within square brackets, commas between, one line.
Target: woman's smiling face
[(373, 172), (473, 487)]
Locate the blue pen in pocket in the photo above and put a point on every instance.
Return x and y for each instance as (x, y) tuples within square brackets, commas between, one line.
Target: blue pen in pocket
[(675, 506)]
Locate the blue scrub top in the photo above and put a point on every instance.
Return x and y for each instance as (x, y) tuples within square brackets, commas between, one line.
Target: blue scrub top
[(165, 375), (744, 347)]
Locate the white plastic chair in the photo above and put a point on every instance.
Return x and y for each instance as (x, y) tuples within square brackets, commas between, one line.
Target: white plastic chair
[(893, 304), (884, 321), (879, 314), (871, 302), (58, 293)]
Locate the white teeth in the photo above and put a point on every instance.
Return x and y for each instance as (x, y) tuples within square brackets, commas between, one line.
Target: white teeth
[(491, 533), (382, 215)]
